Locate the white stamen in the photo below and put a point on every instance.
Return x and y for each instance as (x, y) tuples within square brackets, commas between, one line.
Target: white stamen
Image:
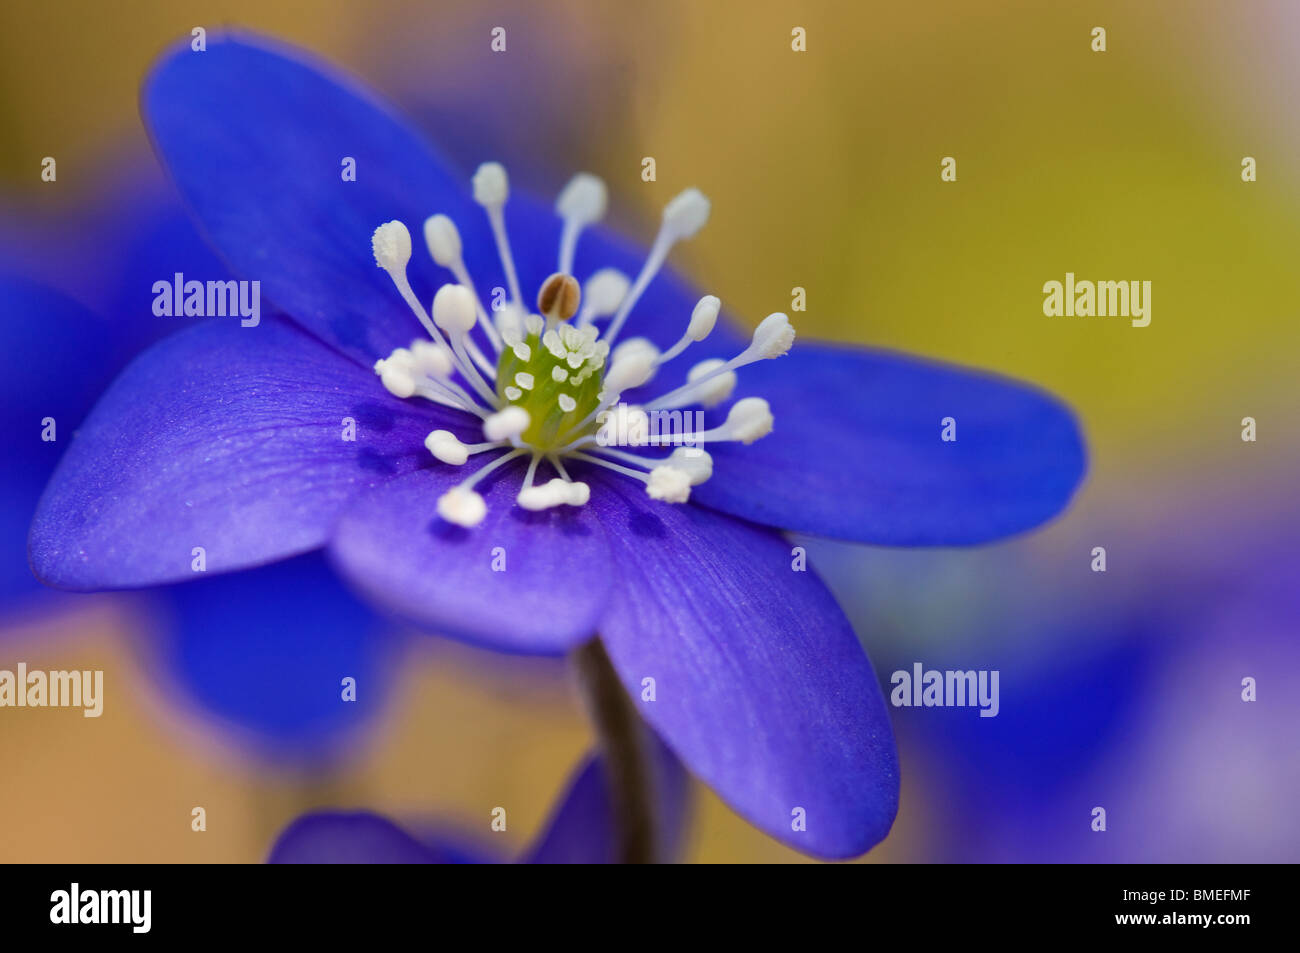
[(491, 184), (555, 492), (686, 214), (432, 359), (446, 446), (696, 463), (510, 324), (491, 189), (462, 506), (507, 423), (453, 310), (574, 351), (749, 419), (396, 373), (443, 240), (773, 337), (602, 294), (581, 203), (630, 369), (703, 318), (683, 217), (391, 243), (668, 484)]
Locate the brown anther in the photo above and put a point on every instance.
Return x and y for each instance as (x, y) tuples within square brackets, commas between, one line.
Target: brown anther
[(559, 297)]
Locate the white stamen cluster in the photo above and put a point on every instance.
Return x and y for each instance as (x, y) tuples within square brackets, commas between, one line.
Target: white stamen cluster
[(547, 387)]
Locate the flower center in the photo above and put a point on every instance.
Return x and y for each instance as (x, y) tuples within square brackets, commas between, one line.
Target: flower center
[(547, 386)]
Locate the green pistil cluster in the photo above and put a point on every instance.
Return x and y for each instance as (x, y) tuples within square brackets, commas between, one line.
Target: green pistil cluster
[(556, 376)]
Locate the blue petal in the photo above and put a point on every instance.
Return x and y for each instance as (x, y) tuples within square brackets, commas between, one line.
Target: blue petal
[(266, 652), (55, 357), (581, 830), (518, 582), (331, 837), (856, 451), (254, 136), (225, 438), (761, 687)]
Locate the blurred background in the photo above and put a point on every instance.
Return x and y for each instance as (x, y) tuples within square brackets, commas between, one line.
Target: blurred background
[(1119, 689)]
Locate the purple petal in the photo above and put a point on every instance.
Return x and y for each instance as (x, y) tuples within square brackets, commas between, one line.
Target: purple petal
[(519, 582), (331, 837), (857, 453), (225, 438), (761, 687), (581, 830), (240, 129)]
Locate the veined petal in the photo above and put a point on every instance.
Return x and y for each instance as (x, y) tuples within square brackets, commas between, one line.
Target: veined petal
[(520, 581), (228, 439), (858, 451), (761, 687), (582, 828), (241, 130), (360, 837)]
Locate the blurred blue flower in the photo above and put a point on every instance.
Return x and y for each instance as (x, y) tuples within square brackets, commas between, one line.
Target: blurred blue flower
[(263, 651), (229, 438), (581, 829)]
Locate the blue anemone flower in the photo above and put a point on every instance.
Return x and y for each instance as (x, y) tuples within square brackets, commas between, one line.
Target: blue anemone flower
[(581, 828), (263, 652), (229, 438)]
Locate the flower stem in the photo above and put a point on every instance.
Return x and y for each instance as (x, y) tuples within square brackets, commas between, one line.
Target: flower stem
[(623, 743)]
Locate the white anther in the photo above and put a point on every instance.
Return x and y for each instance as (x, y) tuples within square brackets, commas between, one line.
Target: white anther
[(715, 391), (582, 200), (454, 309), (602, 294), (397, 373), (506, 423), (391, 244), (510, 324), (525, 380), (772, 338), (554, 493), (559, 374), (567, 403), (433, 359), (749, 419), (443, 239), (683, 217), (491, 185), (631, 347), (462, 506), (445, 446), (703, 318), (686, 214), (631, 369), (513, 392), (668, 484), (696, 463)]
